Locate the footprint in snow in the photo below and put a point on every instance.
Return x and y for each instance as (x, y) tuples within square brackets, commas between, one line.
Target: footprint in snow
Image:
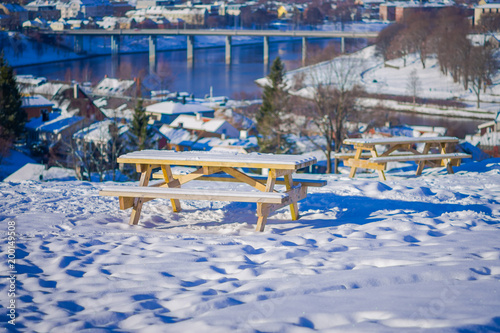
[(481, 271)]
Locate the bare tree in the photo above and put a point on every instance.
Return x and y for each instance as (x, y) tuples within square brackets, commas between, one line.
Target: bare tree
[(482, 68), (490, 22), (401, 47), (420, 26), (95, 149), (413, 85), (333, 91), (385, 38)]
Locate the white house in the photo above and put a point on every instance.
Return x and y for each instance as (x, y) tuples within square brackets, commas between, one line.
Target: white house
[(488, 137), (114, 87), (85, 8), (166, 112), (206, 127), (195, 16)]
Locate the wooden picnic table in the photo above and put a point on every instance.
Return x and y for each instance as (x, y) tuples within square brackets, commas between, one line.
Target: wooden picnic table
[(215, 167), (401, 149)]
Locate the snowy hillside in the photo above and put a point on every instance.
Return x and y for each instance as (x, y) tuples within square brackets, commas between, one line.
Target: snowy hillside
[(409, 254), (392, 78)]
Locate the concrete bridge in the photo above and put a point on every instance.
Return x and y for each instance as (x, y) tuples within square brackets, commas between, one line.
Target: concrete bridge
[(191, 33)]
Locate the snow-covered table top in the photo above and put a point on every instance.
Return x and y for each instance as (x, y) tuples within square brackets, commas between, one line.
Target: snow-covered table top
[(400, 140), (218, 159)]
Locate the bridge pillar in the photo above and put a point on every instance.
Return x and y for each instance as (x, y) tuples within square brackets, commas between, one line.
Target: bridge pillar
[(190, 49), (152, 53), (78, 44), (115, 45), (342, 45), (266, 50), (228, 50), (304, 50)]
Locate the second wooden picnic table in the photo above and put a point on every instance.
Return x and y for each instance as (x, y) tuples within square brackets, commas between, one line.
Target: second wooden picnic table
[(401, 149), (215, 167)]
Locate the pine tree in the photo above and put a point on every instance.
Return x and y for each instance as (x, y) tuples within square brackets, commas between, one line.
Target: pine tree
[(140, 126), (269, 117), (12, 117)]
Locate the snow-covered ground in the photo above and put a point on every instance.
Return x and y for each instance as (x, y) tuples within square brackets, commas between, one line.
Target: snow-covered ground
[(412, 254), (393, 77)]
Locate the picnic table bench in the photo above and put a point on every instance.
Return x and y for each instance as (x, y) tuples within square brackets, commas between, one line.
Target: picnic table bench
[(214, 167), (401, 149)]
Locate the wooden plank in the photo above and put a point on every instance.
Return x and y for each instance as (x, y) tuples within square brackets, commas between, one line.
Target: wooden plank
[(193, 194), (296, 194), (400, 140), (167, 176), (126, 202), (158, 157), (364, 164), (421, 164), (357, 156), (381, 173), (240, 176), (196, 174), (275, 173), (294, 208), (421, 157), (279, 181), (262, 218), (137, 206)]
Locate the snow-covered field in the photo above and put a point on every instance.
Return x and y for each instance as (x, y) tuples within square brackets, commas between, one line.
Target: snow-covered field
[(411, 254), (367, 68)]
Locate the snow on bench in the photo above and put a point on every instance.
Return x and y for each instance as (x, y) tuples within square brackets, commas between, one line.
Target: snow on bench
[(200, 158), (421, 157), (192, 194)]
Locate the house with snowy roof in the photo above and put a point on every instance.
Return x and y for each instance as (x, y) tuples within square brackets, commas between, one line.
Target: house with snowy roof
[(236, 145), (115, 87), (206, 127), (49, 136), (167, 112), (36, 106), (179, 139), (99, 144), (189, 15), (102, 134), (85, 8), (37, 23), (70, 99), (488, 137), (43, 9)]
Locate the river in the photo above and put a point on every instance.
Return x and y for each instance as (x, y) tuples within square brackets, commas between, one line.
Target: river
[(209, 71), (173, 72)]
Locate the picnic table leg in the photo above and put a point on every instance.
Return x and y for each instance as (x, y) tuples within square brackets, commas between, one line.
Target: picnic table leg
[(447, 162), (167, 175), (144, 181), (294, 207), (357, 156), (381, 173), (421, 164), (262, 208)]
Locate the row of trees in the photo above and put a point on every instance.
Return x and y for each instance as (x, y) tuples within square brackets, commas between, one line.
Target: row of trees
[(445, 35)]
